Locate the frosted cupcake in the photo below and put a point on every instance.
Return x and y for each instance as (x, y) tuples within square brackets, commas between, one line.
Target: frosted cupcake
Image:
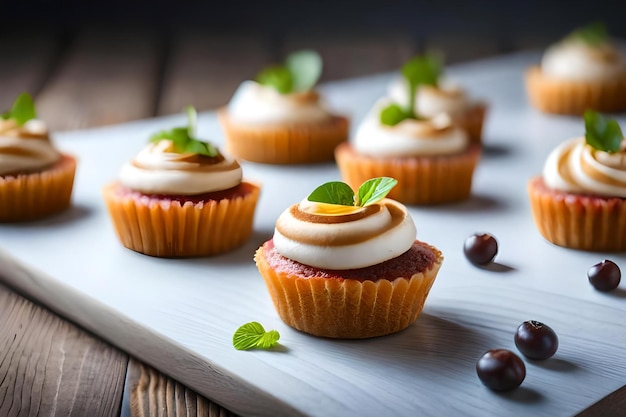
[(580, 200), (432, 158), (439, 96), (36, 180), (347, 266), (280, 119), (181, 197), (583, 71)]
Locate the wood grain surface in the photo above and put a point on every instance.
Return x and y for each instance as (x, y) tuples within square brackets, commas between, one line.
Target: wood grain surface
[(49, 367)]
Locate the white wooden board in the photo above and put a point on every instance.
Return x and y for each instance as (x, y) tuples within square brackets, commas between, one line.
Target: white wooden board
[(179, 315)]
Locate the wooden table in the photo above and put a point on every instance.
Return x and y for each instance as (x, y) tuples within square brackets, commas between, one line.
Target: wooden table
[(49, 366)]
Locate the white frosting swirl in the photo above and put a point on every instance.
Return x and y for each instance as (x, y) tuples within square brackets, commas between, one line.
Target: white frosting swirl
[(25, 149), (254, 103), (429, 100), (159, 170), (367, 236), (410, 137), (576, 60), (576, 167)]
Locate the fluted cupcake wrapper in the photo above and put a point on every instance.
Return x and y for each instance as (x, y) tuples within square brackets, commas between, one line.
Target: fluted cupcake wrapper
[(348, 308), (578, 221), (167, 228), (472, 121), (36, 195), (284, 144), (556, 96), (421, 180)]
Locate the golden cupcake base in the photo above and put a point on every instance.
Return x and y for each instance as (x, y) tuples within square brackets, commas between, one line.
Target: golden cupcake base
[(422, 180), (33, 196), (552, 95), (578, 221), (284, 144), (348, 308), (167, 228)]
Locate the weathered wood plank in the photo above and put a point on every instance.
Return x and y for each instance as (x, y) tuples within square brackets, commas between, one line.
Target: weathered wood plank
[(49, 367), (105, 78), (354, 55), (204, 70), (613, 405), (155, 395), (26, 62)]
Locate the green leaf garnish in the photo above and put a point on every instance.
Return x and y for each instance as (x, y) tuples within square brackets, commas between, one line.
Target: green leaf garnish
[(334, 192), (184, 139), (277, 77), (301, 72), (394, 114), (602, 133), (420, 70), (593, 34), (23, 110), (374, 190), (337, 192), (253, 335)]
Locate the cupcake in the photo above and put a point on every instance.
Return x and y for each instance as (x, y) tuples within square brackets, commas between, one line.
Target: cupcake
[(36, 180), (583, 71), (341, 268), (181, 197), (432, 158), (580, 200), (280, 119), (442, 95)]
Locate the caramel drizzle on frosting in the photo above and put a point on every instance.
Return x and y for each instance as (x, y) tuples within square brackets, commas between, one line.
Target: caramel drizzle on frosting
[(599, 176), (397, 216), (196, 163)]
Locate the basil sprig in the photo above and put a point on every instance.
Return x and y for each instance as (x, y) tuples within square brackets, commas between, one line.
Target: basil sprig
[(593, 34), (420, 70), (23, 110), (602, 133), (301, 71), (337, 192), (184, 138)]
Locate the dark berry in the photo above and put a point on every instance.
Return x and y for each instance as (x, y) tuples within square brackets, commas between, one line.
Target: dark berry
[(480, 248), (604, 276), (500, 370), (536, 340)]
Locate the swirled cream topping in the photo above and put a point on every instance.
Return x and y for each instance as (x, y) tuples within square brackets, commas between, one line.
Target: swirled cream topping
[(25, 149), (331, 236), (576, 167), (431, 101), (254, 103), (576, 60), (157, 169), (410, 137)]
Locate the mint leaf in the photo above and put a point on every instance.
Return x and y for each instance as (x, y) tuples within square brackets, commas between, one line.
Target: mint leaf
[(602, 133), (334, 192), (278, 77), (253, 335), (394, 114), (421, 70), (184, 139), (23, 110), (593, 34), (305, 68), (374, 190)]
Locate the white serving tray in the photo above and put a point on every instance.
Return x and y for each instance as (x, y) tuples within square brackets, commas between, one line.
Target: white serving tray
[(180, 315)]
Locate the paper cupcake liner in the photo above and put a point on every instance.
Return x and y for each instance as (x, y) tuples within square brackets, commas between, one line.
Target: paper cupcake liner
[(421, 180), (574, 97), (472, 121), (578, 221), (167, 228), (347, 308), (284, 144), (36, 195)]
